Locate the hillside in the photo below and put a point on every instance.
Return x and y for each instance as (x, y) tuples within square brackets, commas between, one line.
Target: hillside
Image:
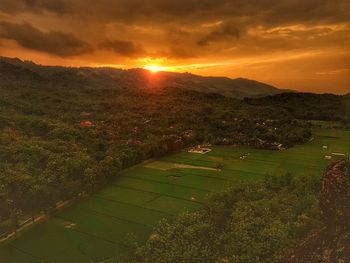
[(236, 88), (68, 130), (65, 131), (309, 106), (13, 69)]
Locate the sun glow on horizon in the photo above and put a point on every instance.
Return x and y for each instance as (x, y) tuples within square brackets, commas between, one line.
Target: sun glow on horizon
[(155, 68)]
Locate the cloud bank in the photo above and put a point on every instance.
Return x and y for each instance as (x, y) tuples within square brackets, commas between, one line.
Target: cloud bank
[(244, 34)]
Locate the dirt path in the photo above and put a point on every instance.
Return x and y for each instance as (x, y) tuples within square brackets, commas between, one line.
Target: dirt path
[(186, 166)]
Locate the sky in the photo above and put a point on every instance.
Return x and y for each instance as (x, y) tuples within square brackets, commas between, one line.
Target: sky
[(296, 44)]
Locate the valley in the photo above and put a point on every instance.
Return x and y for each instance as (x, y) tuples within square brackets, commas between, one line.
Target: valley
[(106, 224)]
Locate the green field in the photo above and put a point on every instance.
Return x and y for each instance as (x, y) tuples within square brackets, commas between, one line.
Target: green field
[(100, 226)]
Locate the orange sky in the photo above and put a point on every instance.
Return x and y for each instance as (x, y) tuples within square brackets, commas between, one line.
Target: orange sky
[(295, 44)]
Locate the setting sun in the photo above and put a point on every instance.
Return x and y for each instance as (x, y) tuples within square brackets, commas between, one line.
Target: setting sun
[(155, 68)]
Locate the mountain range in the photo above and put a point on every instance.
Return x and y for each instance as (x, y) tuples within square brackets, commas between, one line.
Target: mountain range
[(15, 70)]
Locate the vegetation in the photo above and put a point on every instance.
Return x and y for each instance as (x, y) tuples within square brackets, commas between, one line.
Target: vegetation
[(249, 223), (65, 131), (308, 106), (331, 244), (98, 227)]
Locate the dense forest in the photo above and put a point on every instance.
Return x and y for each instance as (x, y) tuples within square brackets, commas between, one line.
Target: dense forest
[(250, 223), (64, 131), (308, 106)]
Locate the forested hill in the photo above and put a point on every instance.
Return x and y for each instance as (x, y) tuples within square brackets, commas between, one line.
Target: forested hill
[(68, 130), (17, 70), (310, 106)]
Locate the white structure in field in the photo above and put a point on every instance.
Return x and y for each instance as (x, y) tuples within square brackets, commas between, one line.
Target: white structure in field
[(199, 149), (338, 154)]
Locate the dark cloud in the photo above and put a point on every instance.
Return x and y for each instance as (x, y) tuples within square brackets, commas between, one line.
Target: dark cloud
[(178, 32), (123, 48), (53, 42), (196, 11), (36, 6), (185, 11), (226, 31), (311, 11), (174, 52), (167, 22), (179, 53)]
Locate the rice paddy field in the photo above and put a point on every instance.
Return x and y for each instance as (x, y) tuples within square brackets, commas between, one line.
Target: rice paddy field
[(102, 225)]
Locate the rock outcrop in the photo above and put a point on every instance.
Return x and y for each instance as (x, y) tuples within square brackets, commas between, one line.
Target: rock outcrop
[(332, 244), (335, 196)]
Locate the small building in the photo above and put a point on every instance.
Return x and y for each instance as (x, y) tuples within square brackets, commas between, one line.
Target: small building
[(199, 149), (274, 146), (338, 154), (325, 147), (86, 124), (328, 157)]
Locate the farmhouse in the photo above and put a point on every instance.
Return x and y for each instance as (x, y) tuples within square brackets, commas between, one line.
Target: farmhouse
[(268, 145), (277, 146), (199, 149), (338, 154), (273, 146), (86, 124)]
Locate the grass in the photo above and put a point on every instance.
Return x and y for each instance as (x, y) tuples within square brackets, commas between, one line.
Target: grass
[(99, 227)]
